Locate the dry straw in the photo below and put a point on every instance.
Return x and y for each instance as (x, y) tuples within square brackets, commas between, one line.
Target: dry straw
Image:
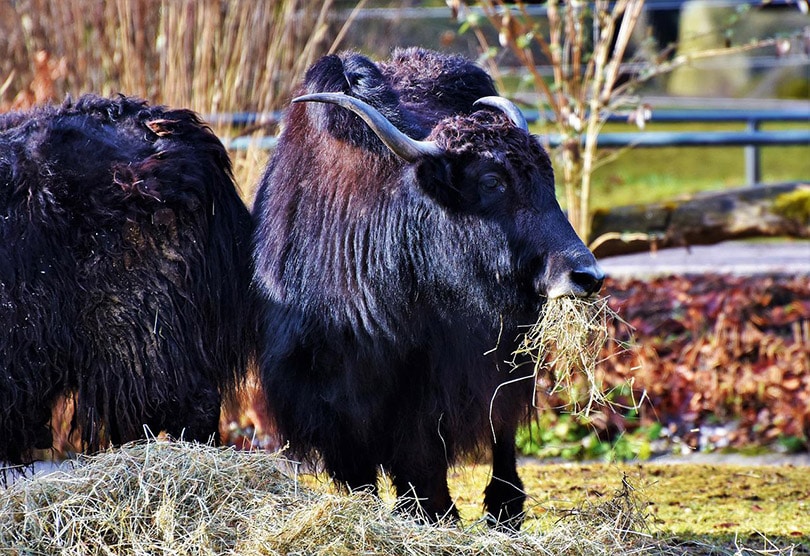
[(208, 55), (180, 498), (567, 342)]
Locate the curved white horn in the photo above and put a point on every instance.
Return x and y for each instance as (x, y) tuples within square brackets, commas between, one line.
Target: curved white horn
[(407, 148), (507, 107)]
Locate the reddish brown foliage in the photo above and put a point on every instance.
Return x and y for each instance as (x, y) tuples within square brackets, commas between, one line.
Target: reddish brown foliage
[(47, 71), (716, 348)]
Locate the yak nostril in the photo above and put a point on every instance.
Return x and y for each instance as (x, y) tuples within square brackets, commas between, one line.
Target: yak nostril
[(589, 279)]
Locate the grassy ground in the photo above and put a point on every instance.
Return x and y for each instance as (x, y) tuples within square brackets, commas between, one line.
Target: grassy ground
[(759, 507), (684, 509), (639, 176)]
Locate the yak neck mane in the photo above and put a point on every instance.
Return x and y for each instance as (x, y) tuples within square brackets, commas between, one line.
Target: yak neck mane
[(337, 225), (350, 177)]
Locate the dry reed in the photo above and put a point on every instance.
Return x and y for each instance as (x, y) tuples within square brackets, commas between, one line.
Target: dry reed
[(213, 56)]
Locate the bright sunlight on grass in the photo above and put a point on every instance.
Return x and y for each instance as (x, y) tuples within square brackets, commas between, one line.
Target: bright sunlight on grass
[(640, 176)]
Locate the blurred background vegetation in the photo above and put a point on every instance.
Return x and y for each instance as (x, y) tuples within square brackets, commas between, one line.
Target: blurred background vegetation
[(220, 56), (210, 55)]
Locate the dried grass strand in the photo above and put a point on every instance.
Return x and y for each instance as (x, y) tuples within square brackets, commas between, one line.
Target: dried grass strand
[(567, 342)]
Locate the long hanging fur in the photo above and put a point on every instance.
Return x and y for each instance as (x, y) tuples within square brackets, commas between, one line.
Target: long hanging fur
[(124, 273)]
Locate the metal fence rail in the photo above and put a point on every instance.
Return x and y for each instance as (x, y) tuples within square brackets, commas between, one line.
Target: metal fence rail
[(400, 13), (751, 138)]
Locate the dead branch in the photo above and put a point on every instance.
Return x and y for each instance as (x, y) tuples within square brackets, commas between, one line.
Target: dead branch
[(703, 219)]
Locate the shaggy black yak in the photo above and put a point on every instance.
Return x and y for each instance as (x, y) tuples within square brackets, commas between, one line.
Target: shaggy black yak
[(124, 273), (406, 227)]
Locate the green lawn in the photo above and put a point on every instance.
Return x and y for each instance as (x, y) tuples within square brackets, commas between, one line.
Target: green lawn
[(639, 176), (757, 507)]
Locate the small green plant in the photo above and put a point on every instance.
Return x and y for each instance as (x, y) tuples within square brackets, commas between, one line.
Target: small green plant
[(571, 437), (795, 205), (792, 444)]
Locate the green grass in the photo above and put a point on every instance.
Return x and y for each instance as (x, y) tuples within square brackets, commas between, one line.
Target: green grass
[(720, 505), (640, 176)]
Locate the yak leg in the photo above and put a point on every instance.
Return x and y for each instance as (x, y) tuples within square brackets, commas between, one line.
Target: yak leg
[(504, 496), (199, 417), (357, 479), (205, 406), (422, 490), (349, 468), (24, 429)]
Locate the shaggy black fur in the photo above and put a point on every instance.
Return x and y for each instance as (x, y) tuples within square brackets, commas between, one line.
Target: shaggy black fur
[(124, 273), (394, 292)]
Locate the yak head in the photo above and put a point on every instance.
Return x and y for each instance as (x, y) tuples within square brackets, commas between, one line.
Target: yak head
[(487, 165)]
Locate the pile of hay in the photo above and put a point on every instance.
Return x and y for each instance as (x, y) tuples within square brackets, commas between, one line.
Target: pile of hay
[(180, 498)]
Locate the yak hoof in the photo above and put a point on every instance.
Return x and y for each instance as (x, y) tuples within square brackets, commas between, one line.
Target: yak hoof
[(504, 506)]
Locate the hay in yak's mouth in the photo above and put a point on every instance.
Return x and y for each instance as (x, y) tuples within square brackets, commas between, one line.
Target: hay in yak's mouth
[(567, 343), (166, 497)]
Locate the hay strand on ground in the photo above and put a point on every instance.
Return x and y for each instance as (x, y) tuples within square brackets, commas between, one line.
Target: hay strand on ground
[(179, 498)]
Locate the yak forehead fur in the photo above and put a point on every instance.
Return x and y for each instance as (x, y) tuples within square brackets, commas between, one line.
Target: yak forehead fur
[(487, 134)]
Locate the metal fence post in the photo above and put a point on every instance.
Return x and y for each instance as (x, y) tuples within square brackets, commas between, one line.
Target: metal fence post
[(753, 170)]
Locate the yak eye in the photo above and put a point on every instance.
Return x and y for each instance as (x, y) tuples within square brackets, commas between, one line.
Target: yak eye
[(493, 183)]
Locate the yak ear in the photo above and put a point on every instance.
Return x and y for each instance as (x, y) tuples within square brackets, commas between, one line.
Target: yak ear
[(434, 175)]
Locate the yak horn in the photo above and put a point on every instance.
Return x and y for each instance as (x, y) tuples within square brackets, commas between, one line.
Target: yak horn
[(405, 147), (507, 107)]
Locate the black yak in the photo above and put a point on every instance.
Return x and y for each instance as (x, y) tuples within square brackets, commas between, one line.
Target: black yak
[(125, 270), (405, 228)]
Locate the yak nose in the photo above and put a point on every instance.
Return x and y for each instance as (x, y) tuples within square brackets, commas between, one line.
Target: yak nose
[(582, 280), (589, 280)]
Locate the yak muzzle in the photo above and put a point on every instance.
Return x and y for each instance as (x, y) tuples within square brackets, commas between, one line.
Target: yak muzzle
[(587, 281), (564, 277)]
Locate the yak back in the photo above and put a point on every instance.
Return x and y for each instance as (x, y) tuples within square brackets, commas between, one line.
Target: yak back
[(125, 269)]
